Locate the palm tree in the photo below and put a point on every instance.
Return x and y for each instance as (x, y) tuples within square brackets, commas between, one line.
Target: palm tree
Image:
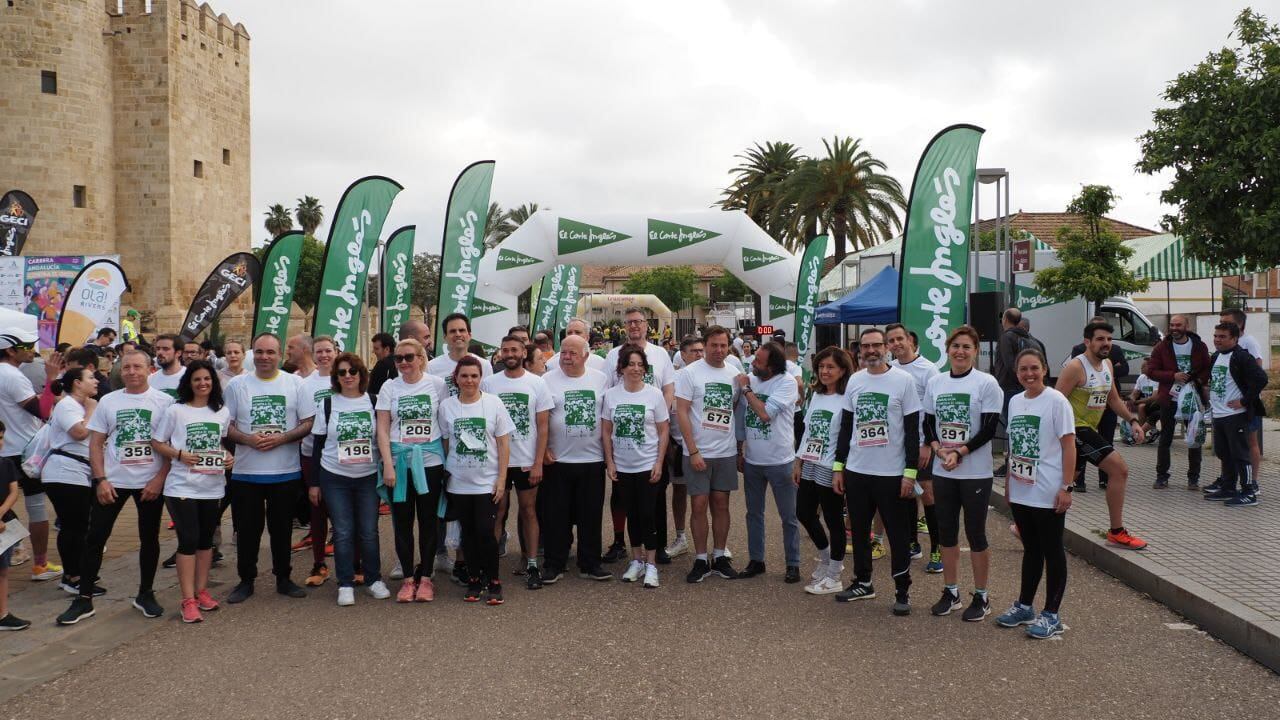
[(309, 213), (847, 194), (755, 187), (278, 221), (517, 216), (496, 226)]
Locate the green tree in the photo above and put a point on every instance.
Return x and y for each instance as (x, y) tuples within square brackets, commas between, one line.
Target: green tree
[(310, 213), (278, 221), (756, 183), (307, 287), (1093, 258), (847, 193), (673, 284), (496, 226), (730, 289), (426, 280), (1219, 136)]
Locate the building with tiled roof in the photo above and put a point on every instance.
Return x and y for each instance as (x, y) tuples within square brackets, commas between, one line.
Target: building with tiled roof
[(1045, 225)]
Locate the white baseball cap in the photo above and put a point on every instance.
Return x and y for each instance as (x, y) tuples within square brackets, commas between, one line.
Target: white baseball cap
[(10, 337)]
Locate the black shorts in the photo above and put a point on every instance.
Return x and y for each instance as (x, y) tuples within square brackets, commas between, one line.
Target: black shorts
[(1091, 446), (28, 485), (675, 458), (519, 478)]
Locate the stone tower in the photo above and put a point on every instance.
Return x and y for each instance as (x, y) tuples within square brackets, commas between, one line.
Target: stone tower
[(128, 122)]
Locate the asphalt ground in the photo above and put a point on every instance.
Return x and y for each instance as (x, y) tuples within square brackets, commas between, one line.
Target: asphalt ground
[(585, 649)]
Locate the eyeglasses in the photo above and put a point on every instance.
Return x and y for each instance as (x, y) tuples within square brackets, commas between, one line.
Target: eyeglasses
[(343, 372), (635, 322), (405, 358)]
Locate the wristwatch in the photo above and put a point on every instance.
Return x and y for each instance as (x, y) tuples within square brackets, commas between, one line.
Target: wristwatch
[(95, 481), (1069, 489)]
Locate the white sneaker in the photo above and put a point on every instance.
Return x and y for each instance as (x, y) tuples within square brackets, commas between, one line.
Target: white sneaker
[(634, 571), (651, 576), (819, 571), (379, 590), (347, 596), (679, 547), (397, 572), (826, 586)]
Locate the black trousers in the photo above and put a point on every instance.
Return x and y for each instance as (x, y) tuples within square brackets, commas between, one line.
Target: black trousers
[(812, 498), (572, 493), (1042, 553), (255, 505), (638, 497), (1230, 444), (1167, 424), (102, 519), (477, 514), (425, 509), (72, 503), (865, 494)]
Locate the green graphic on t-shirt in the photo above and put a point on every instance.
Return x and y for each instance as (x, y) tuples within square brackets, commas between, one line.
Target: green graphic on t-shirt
[(580, 412), (628, 422), (952, 408), (267, 413), (1024, 436), (1187, 405), (133, 425), (448, 382), (1184, 363), (321, 394), (414, 407), (756, 423), (469, 441), (871, 407), (1218, 380), (354, 426), (203, 436), (171, 392), (518, 408), (820, 425), (648, 377), (717, 395)]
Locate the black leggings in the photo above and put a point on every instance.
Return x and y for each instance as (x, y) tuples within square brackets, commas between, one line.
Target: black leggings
[(812, 497), (194, 521), (638, 497), (72, 503), (425, 508), (1042, 553), (102, 519), (970, 496), (477, 514)]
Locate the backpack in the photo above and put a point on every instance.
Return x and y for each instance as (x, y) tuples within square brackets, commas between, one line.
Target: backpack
[(36, 453)]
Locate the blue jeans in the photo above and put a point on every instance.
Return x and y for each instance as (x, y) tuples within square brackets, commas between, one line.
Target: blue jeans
[(353, 510), (755, 479)]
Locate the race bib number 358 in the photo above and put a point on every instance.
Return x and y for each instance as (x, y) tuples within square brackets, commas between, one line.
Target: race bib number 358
[(136, 453)]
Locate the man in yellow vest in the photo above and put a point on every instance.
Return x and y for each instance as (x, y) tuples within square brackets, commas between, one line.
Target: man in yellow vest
[(128, 328)]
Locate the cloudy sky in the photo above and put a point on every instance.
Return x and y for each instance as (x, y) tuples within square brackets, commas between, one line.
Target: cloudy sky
[(642, 106)]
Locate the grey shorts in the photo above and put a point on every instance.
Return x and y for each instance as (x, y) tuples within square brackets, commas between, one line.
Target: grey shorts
[(721, 475)]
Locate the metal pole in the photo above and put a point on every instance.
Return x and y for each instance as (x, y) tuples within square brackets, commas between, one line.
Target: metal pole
[(1008, 211), (1168, 300)]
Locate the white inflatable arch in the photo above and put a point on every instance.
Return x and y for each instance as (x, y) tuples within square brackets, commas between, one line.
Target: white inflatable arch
[(614, 304), (709, 237)]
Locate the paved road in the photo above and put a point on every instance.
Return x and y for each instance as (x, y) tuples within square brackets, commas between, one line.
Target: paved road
[(749, 648)]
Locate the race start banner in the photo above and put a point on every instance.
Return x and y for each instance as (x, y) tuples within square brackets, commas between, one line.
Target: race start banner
[(807, 287), (235, 274), (94, 294), (17, 215), (397, 280), (544, 314), (568, 300), (933, 288), (353, 236), (463, 243), (274, 292)]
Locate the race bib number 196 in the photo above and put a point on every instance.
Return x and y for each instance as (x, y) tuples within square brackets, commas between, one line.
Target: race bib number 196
[(353, 452)]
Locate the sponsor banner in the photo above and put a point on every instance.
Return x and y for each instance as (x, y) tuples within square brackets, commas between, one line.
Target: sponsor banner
[(17, 215), (94, 296), (756, 259), (38, 285), (780, 307), (397, 280), (462, 246), (573, 236), (353, 235), (481, 307), (807, 287), (667, 236), (535, 296), (933, 290), (231, 277), (544, 316), (274, 291), (508, 259), (568, 300)]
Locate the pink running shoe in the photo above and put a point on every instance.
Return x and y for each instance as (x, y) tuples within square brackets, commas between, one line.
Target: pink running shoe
[(205, 601), (191, 613), (426, 591), (406, 592)]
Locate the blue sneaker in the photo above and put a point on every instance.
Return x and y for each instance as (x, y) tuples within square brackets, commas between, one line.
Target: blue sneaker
[(935, 563), (1017, 614), (1045, 626), (1242, 500)]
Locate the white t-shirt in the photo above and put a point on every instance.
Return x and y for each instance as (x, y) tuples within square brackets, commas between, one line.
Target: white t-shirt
[(1181, 356), (129, 421), (415, 411), (472, 431), (772, 442), (1222, 388), (678, 363), (59, 468), (1036, 428), (318, 387), (635, 417), (195, 430), (168, 384), (594, 361), (660, 373), (524, 397), (1145, 386), (20, 425), (736, 363), (879, 403), (821, 429), (713, 395), (922, 371), (574, 421), (957, 405), (1248, 343), (442, 367), (350, 445), (267, 406)]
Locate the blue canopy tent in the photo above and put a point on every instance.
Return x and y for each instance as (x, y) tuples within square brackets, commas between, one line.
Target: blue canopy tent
[(872, 303)]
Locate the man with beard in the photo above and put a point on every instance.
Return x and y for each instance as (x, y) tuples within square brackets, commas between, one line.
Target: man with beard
[(1181, 358), (171, 369)]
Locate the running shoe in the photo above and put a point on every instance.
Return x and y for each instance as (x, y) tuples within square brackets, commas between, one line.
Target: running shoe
[(494, 594), (634, 572), (935, 563), (474, 590), (650, 576), (1102, 484), (146, 603), (820, 570), (1045, 626), (922, 525), (1193, 485), (902, 606), (701, 569), (384, 509), (616, 552), (13, 623), (319, 574), (346, 596), (978, 610), (533, 578), (379, 590), (302, 544), (407, 591), (170, 562), (328, 550), (595, 573), (916, 551), (80, 609), (290, 588), (856, 591), (825, 585), (679, 547), (47, 571), (950, 601), (1017, 614), (397, 572), (1212, 487), (877, 548), (550, 576), (426, 591), (1220, 494), (1242, 500), (661, 557), (240, 593), (460, 574), (190, 611), (21, 556), (1125, 540), (205, 601), (1160, 484), (724, 568), (73, 588)]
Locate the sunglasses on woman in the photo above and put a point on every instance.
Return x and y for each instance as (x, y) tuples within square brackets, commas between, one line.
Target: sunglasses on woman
[(343, 372), (405, 358)]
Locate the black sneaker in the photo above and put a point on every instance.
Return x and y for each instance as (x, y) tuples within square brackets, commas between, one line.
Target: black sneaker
[(551, 576), (240, 593), (1220, 494), (722, 567), (474, 589), (701, 569), (916, 551), (1002, 470), (856, 591), (1212, 487), (753, 568), (146, 602), (170, 562), (493, 596), (1079, 487), (74, 588), (595, 573), (978, 609), (290, 588), (949, 602), (12, 622), (460, 574), (1193, 485), (80, 609), (792, 575), (1102, 484), (533, 578), (902, 606), (217, 557), (617, 551), (1160, 484), (661, 557)]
